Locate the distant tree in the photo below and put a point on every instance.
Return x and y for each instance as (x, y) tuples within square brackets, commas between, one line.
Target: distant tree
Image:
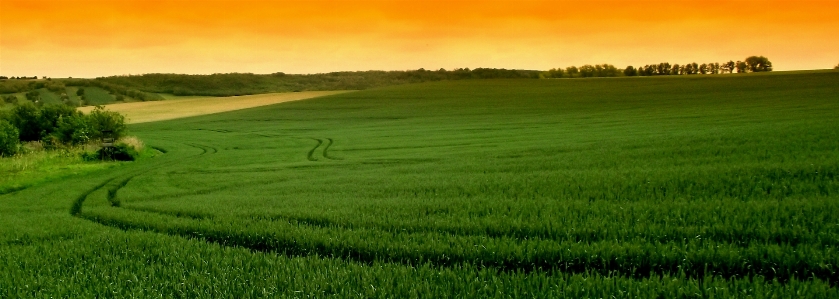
[(572, 71), (33, 95), (663, 68), (728, 66), (715, 68), (650, 69), (742, 67), (120, 97), (80, 91), (630, 71), (587, 71), (552, 73), (703, 68), (675, 69), (689, 69), (836, 67), (758, 64)]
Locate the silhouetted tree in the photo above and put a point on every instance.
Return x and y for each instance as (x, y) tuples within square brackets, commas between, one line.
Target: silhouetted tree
[(675, 69), (703, 69), (572, 71), (587, 71), (742, 67), (689, 70), (758, 64), (728, 66), (630, 71), (552, 73), (663, 68), (606, 70)]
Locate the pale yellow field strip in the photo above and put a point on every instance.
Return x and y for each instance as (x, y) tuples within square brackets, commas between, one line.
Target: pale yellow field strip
[(141, 112)]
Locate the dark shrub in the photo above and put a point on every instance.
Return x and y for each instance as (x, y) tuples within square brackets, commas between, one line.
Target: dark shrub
[(25, 118), (8, 139), (118, 152)]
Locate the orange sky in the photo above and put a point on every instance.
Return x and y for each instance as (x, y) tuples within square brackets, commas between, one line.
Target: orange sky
[(100, 38)]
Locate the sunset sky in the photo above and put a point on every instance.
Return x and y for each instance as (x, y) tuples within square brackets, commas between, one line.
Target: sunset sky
[(102, 38)]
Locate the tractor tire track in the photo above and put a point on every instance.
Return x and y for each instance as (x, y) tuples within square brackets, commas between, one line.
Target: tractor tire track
[(326, 149), (289, 243), (199, 226), (76, 206), (311, 154)]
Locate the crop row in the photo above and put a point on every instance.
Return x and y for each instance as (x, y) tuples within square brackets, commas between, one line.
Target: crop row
[(636, 258)]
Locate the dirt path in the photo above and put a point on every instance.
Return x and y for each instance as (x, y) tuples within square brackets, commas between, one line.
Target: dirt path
[(141, 112)]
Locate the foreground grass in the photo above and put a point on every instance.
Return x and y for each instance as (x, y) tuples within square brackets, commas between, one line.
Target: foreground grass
[(40, 166), (37, 165), (630, 188)]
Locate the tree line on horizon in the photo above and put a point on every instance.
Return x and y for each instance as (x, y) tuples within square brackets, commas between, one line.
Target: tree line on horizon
[(236, 84), (750, 64)]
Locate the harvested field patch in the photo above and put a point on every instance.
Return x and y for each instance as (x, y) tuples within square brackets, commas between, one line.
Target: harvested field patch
[(141, 112)]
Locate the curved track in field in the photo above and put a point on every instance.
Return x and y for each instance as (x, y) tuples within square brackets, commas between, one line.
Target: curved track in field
[(311, 156), (184, 223)]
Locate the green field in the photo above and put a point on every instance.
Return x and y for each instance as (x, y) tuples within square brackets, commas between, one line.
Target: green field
[(97, 96), (655, 187)]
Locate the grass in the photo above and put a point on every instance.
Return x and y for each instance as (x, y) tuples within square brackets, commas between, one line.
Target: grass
[(36, 165), (682, 187), (97, 96)]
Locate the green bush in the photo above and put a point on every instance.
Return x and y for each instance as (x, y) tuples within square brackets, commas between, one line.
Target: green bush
[(33, 95), (25, 118), (73, 130), (11, 99), (57, 124), (51, 115), (101, 120), (118, 152), (8, 139)]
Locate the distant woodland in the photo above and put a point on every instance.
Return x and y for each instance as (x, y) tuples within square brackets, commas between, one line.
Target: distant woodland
[(151, 87), (751, 64)]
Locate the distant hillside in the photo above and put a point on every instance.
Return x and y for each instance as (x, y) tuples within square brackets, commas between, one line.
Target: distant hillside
[(154, 87), (245, 83)]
